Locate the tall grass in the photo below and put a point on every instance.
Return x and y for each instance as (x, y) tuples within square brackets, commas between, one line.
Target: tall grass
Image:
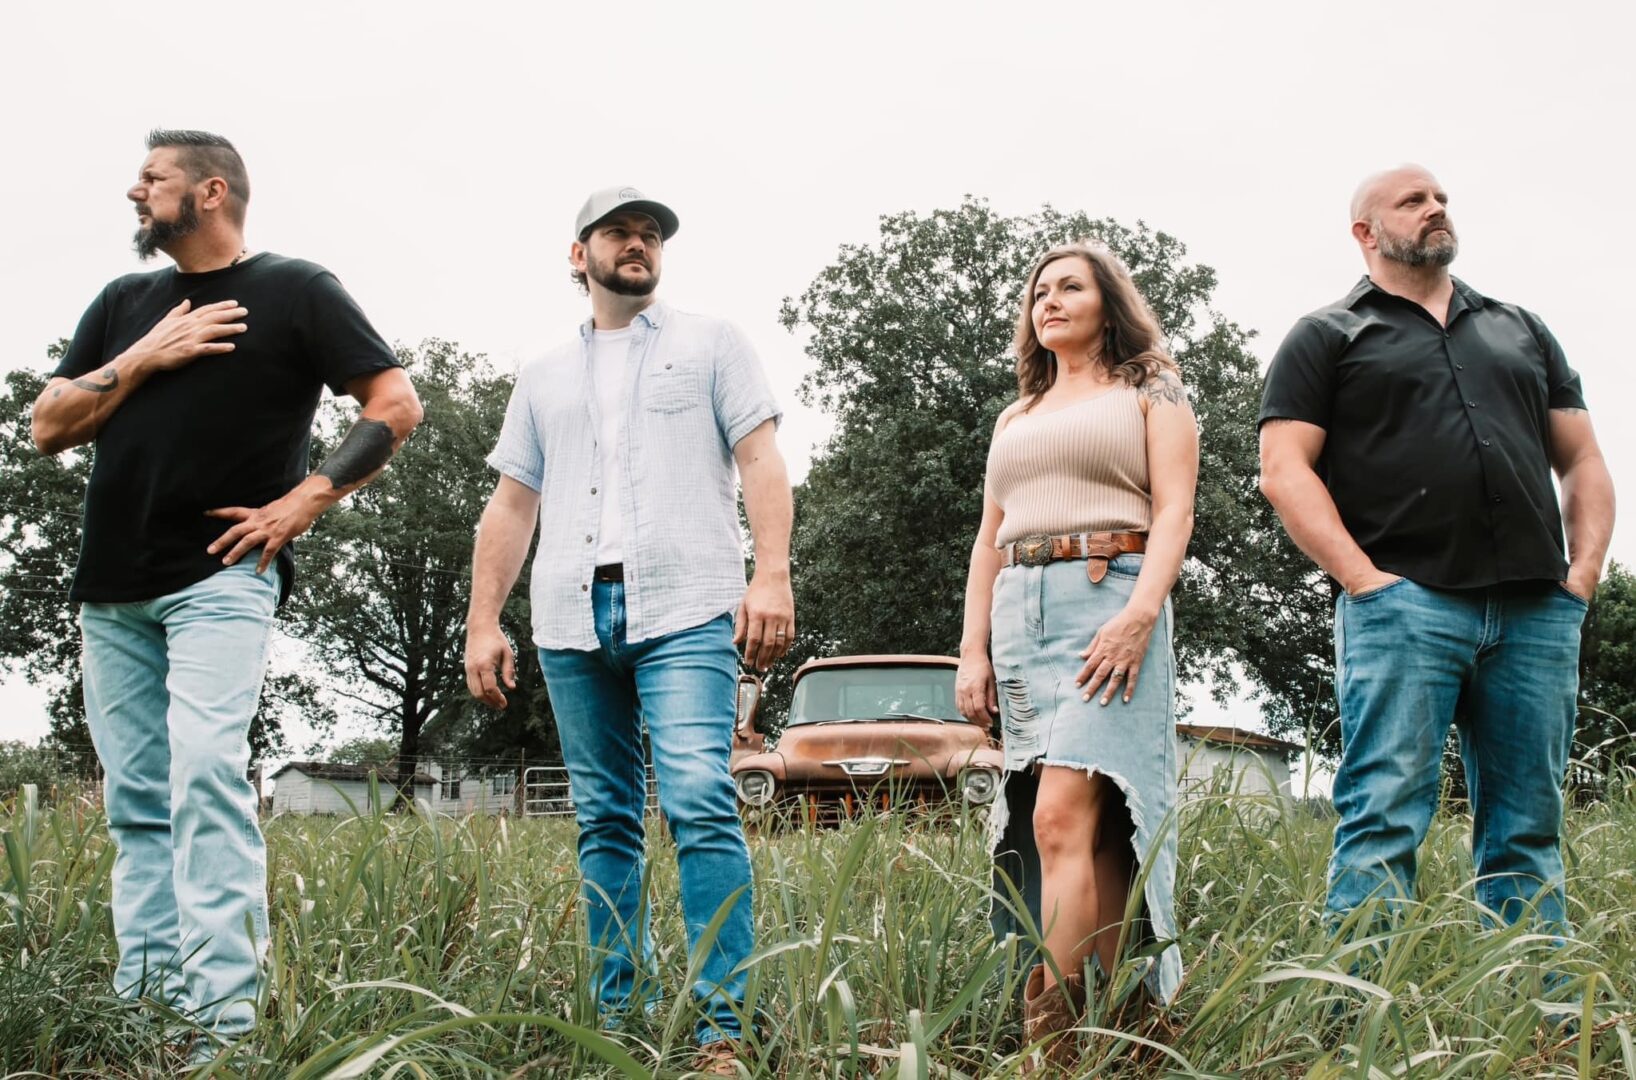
[(406, 946)]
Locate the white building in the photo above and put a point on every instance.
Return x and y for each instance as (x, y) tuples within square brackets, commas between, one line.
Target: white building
[(317, 787), (1231, 760)]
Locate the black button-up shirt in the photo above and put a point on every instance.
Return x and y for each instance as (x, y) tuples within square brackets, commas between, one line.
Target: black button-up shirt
[(1437, 451)]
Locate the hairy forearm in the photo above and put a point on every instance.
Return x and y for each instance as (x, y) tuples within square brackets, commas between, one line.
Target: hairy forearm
[(984, 568), (1310, 517), (70, 412), (503, 534), (1171, 529), (1588, 511), (770, 506)]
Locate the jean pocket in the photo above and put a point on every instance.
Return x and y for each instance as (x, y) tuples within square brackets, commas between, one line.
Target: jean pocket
[(1571, 595), (1364, 598), (1128, 565)]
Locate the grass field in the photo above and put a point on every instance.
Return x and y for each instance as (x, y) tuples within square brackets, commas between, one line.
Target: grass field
[(403, 947)]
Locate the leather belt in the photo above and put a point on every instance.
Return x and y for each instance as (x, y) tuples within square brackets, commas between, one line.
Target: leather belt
[(1095, 548), (609, 572)]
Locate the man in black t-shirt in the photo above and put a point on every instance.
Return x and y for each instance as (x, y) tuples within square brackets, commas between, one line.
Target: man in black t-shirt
[(198, 384), (1408, 436)]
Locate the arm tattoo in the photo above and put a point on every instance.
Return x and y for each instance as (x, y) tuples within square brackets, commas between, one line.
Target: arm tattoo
[(99, 388), (1165, 387), (364, 452)]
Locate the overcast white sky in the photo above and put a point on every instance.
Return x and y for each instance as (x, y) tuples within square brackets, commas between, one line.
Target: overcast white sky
[(433, 156)]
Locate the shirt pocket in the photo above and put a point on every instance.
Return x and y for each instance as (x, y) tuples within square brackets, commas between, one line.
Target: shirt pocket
[(676, 386)]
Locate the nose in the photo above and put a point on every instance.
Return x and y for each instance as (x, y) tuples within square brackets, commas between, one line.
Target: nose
[(136, 193)]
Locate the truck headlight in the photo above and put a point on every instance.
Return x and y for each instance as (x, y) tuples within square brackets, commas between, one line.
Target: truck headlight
[(755, 787), (979, 786)]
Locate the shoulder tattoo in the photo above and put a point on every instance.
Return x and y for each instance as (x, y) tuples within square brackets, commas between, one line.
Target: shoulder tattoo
[(1165, 388)]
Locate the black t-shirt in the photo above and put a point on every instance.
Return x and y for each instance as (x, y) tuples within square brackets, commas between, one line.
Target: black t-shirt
[(1437, 447), (230, 429)]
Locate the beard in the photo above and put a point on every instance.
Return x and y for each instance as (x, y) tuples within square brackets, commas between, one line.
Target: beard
[(607, 276), (156, 235), (1428, 250)]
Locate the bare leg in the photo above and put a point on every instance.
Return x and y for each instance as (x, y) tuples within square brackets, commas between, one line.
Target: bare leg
[(1066, 824), (1115, 865)]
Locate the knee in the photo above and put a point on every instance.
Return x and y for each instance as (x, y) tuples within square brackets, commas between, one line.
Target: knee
[(700, 802), (1063, 828)]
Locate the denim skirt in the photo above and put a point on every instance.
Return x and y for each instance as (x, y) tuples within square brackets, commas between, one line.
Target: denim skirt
[(1043, 617)]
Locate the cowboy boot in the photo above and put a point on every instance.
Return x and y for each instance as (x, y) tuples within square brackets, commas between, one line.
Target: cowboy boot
[(1051, 1015)]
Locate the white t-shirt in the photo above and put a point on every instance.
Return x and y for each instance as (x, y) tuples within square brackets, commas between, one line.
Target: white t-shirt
[(612, 400)]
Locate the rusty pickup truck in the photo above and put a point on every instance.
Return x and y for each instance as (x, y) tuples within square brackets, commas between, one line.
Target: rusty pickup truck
[(865, 732)]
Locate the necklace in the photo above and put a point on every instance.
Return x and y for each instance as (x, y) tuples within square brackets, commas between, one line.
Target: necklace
[(242, 253)]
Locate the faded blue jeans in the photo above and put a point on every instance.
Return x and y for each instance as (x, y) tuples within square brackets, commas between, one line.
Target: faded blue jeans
[(170, 688), (683, 687), (1502, 663)]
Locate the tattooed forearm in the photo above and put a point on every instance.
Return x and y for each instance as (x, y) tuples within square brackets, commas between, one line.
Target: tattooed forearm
[(363, 453), (1166, 388), (85, 383)]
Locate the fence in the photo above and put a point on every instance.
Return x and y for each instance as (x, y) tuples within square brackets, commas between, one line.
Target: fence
[(546, 792)]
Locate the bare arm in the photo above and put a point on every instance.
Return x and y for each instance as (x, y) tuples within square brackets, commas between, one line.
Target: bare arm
[(503, 535), (1587, 496), (70, 412), (1290, 481), (391, 410), (975, 693), (765, 624), (1115, 655)]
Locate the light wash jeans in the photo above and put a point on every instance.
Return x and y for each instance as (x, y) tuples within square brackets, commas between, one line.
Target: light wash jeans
[(1503, 664), (684, 687), (170, 688)]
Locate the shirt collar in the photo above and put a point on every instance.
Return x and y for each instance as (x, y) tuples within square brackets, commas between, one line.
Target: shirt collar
[(1469, 298), (653, 315)]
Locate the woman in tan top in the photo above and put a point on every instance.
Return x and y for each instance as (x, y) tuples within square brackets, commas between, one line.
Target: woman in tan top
[(1087, 509)]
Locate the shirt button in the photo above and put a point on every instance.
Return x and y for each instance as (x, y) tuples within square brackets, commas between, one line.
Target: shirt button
[(584, 588), (1498, 499), (1487, 443), (1459, 367), (593, 491), (667, 367), (1472, 404), (588, 539)]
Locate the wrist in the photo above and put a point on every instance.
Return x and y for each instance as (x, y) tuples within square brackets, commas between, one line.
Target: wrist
[(317, 493), (774, 570), (974, 650)]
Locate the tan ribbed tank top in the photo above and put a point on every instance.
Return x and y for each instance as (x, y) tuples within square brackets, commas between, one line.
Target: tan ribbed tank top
[(1082, 468)]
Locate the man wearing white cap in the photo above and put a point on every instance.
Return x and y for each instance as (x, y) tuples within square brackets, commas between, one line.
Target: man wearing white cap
[(622, 444)]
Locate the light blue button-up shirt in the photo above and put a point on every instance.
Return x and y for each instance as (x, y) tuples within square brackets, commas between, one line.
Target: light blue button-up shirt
[(696, 389)]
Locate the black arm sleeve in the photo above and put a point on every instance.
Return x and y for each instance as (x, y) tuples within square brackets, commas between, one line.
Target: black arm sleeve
[(1561, 381), (85, 352), (1300, 383), (336, 334)]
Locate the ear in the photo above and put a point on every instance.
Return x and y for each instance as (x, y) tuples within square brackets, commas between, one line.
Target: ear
[(214, 195), (1363, 234), (577, 255)]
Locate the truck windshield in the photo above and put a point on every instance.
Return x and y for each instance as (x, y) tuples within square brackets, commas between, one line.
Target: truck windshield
[(874, 693)]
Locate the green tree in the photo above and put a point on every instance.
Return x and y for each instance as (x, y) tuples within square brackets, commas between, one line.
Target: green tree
[(911, 337), (386, 576), (364, 750), (1607, 673)]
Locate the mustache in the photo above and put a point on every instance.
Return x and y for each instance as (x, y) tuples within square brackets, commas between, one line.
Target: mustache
[(639, 260)]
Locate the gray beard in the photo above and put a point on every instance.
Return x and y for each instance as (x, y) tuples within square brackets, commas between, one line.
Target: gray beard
[(1426, 252)]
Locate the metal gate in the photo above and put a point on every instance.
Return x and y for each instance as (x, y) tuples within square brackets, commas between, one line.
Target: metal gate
[(546, 792)]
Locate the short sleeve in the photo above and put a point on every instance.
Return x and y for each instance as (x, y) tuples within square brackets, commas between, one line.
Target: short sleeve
[(518, 452), (1300, 383), (742, 398), (336, 334), (1561, 381), (86, 351)]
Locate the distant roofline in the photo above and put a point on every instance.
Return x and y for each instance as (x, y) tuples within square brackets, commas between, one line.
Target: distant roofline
[(1232, 736)]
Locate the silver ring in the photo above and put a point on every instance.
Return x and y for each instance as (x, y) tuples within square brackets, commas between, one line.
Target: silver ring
[(778, 633), (1117, 672)]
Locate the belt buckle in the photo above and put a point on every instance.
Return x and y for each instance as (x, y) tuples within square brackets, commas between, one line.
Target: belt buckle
[(1034, 550)]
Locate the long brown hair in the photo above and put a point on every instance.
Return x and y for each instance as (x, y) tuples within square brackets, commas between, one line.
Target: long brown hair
[(1133, 346)]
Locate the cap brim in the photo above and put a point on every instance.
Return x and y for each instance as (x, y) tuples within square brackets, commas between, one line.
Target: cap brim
[(659, 212)]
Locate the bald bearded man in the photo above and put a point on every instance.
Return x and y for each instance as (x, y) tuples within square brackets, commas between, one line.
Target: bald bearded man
[(1408, 436)]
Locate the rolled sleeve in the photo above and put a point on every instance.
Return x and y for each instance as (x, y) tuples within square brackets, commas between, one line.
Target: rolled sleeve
[(743, 401), (1561, 380), (518, 452), (1300, 383)]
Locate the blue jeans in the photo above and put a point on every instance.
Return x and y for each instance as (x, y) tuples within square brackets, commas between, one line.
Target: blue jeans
[(682, 686), (171, 686), (1502, 663)]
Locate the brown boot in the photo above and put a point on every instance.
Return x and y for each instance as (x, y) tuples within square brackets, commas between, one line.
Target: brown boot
[(1049, 1015), (719, 1058)]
